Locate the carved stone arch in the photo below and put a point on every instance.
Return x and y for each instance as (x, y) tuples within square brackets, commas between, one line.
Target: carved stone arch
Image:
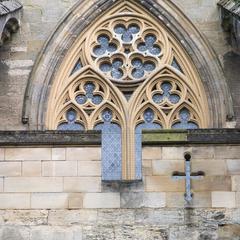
[(188, 92), (80, 17), (65, 92)]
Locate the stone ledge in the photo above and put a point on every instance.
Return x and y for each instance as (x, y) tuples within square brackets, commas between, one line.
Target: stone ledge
[(198, 136), (43, 138), (93, 138)]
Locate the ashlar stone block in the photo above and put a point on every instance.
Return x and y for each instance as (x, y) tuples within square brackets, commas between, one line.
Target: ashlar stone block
[(83, 154), (49, 200), (2, 154), (223, 199), (101, 200), (167, 167), (212, 183), (173, 153), (211, 168), (59, 169), (199, 152), (236, 183), (238, 199), (14, 201), (227, 152), (58, 154), (75, 201), (1, 184), (10, 169), (163, 184), (233, 166), (27, 154), (31, 169), (89, 168), (200, 200), (82, 184), (150, 153), (33, 184)]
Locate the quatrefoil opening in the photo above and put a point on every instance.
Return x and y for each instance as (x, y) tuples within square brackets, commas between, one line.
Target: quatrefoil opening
[(149, 45), (126, 33), (114, 68), (140, 68), (105, 46), (89, 95), (166, 94)]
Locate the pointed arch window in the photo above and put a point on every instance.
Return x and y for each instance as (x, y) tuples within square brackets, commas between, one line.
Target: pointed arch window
[(126, 73)]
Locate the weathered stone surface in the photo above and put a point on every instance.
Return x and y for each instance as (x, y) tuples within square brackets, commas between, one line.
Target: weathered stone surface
[(75, 200), (14, 233), (25, 217), (140, 232), (229, 232), (159, 217), (73, 217), (116, 217), (227, 152), (206, 152), (140, 224), (140, 200), (98, 233), (200, 200), (58, 233)]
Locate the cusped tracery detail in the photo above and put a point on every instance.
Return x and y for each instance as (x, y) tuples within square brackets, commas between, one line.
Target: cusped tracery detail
[(127, 50), (185, 120), (70, 122), (126, 73)]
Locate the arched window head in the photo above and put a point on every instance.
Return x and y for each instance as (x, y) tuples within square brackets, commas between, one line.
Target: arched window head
[(125, 73)]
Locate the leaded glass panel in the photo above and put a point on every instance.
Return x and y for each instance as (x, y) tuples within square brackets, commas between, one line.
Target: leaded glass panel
[(111, 147)]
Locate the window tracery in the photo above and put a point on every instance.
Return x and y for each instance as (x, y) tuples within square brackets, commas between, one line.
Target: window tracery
[(128, 73)]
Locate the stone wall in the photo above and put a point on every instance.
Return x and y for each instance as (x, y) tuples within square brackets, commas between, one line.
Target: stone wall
[(40, 19), (31, 178), (56, 193)]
